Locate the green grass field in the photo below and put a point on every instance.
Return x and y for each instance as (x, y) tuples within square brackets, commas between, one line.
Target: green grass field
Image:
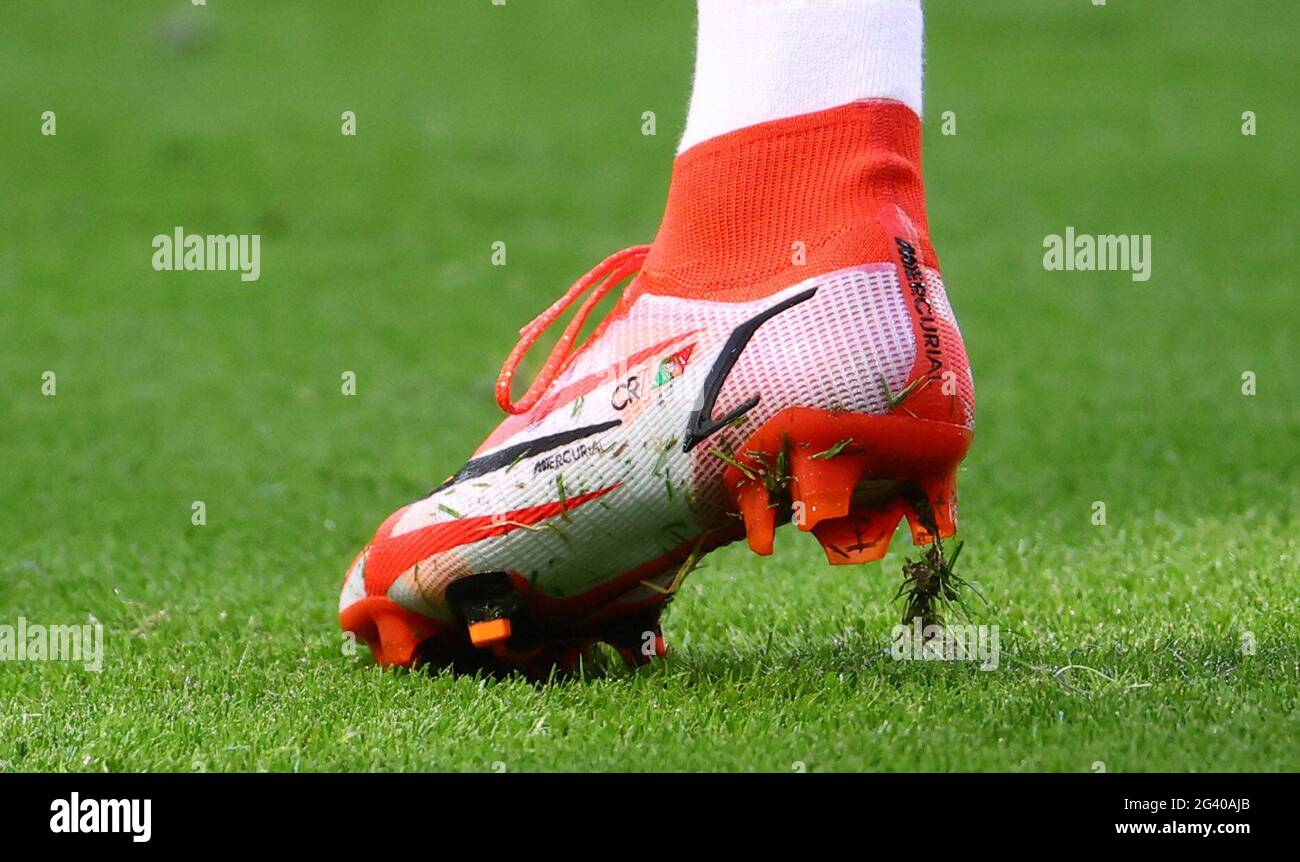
[(522, 123)]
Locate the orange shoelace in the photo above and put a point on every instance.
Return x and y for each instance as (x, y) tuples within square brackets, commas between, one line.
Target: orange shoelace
[(604, 276)]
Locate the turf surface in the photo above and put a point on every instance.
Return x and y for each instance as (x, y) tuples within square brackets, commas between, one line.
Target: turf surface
[(523, 124)]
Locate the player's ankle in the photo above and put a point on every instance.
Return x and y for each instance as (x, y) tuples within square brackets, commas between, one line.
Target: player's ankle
[(753, 211), (762, 61)]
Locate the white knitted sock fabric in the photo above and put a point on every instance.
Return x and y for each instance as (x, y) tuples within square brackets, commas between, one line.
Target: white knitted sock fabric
[(760, 60)]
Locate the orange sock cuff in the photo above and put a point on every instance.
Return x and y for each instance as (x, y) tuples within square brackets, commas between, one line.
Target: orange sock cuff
[(756, 210)]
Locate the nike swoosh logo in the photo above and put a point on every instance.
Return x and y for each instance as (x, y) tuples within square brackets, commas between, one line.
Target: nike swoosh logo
[(701, 424), (482, 465), (391, 555)]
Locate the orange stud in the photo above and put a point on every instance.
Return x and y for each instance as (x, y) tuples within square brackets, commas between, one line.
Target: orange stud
[(392, 632), (759, 516), (397, 641), (823, 483), (920, 535), (940, 494), (862, 536), (941, 491), (489, 632)]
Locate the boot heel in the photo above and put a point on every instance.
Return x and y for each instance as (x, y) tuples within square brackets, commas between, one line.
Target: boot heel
[(849, 479)]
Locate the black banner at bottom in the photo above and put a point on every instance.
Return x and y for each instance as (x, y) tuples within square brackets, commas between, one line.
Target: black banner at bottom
[(332, 812)]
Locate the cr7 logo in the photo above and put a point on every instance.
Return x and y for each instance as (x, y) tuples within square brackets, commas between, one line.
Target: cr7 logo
[(626, 393)]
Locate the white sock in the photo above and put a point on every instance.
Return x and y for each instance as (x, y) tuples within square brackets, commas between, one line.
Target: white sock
[(760, 60)]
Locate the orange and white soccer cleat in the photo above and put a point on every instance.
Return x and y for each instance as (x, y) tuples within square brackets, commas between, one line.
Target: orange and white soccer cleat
[(784, 352)]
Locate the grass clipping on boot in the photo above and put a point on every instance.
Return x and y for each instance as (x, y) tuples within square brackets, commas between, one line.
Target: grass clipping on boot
[(930, 585)]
